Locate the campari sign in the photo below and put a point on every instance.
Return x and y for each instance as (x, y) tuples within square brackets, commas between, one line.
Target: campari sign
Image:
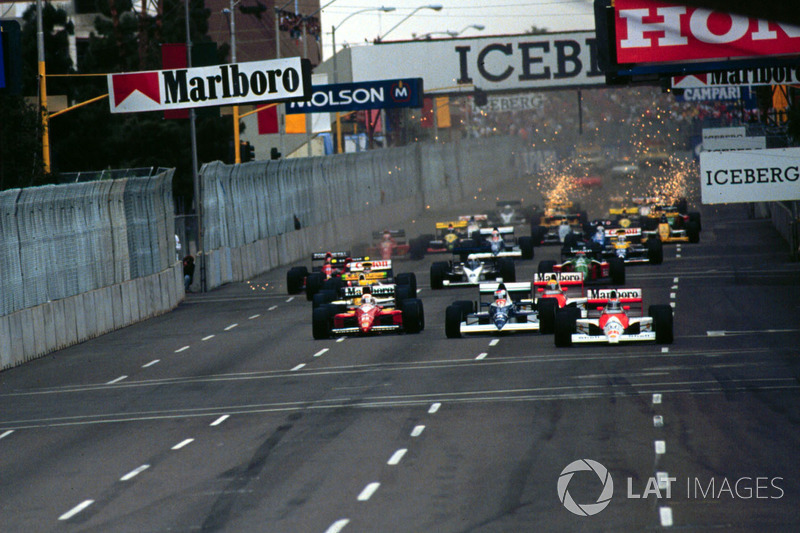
[(238, 83), (654, 32)]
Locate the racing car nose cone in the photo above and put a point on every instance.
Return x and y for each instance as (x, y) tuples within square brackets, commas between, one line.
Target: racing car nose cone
[(500, 321)]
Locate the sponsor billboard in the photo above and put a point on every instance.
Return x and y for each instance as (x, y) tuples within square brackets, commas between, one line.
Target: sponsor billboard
[(237, 83), (748, 76), (719, 94), (500, 63), (724, 133), (357, 96), (511, 103), (649, 31), (735, 143), (750, 176)]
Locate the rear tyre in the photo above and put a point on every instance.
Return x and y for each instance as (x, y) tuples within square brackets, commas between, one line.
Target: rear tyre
[(537, 234), (546, 266), (466, 306), (438, 271), (313, 284), (401, 293), (655, 251), (452, 322), (694, 216), (417, 248), (547, 308), (321, 323), (507, 270), (564, 327), (693, 231), (294, 279), (526, 246), (662, 323), (616, 270), (408, 279), (413, 317), (333, 285), (322, 297)]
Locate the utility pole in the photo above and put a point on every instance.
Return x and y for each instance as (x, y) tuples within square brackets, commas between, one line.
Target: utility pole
[(42, 89), (196, 185)]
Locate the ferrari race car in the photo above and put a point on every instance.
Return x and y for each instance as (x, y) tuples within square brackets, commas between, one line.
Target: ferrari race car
[(299, 278), (368, 310), (389, 244), (615, 315), (501, 307)]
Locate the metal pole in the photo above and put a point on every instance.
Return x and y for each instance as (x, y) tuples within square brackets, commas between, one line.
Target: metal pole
[(237, 149), (196, 185), (42, 89), (308, 115), (335, 81)]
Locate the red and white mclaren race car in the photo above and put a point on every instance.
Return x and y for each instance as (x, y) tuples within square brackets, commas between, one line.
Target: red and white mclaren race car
[(614, 316), (367, 310)]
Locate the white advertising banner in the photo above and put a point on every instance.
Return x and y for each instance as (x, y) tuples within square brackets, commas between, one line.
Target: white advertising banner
[(512, 103), (735, 143), (724, 133), (237, 83), (750, 176), (500, 63)]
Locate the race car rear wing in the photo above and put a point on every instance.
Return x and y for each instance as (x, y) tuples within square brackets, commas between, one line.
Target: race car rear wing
[(478, 218), (563, 278), (393, 233), (517, 254), (455, 223), (385, 291), (512, 203), (360, 265), (629, 232), (630, 298), (320, 256), (502, 230), (518, 290)]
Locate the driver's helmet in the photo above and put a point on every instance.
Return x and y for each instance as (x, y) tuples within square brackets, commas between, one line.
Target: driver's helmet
[(328, 257), (564, 221), (663, 217), (620, 237), (614, 305), (501, 293), (366, 296), (387, 236), (552, 285), (496, 237), (473, 263), (600, 231), (450, 228)]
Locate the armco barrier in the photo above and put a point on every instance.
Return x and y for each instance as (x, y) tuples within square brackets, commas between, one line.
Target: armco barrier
[(83, 259), (248, 210)]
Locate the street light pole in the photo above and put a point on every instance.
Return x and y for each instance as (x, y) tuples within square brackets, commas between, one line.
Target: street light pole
[(42, 89), (281, 126), (237, 149), (435, 7)]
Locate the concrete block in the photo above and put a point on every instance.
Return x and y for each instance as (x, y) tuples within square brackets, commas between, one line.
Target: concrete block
[(49, 333), (5, 343), (133, 301), (17, 348), (127, 306), (80, 317), (115, 293), (90, 313)]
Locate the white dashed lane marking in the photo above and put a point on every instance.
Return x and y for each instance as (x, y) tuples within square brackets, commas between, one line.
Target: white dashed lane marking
[(151, 363), (368, 491), (397, 457), (298, 367), (338, 526), (661, 447), (208, 337), (6, 433), (665, 513), (675, 280), (289, 299), (179, 350), (481, 356), (220, 420), (182, 443), (416, 432), (494, 342), (321, 352), (133, 473), (75, 510), (253, 317), (658, 421), (231, 327), (117, 380), (656, 398), (435, 407), (274, 307)]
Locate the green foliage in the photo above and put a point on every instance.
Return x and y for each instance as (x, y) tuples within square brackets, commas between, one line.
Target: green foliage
[(91, 137)]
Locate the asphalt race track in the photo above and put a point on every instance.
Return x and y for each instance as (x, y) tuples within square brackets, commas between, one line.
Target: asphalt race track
[(225, 415)]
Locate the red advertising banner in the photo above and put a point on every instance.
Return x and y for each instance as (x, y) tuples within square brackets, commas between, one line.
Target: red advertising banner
[(648, 31)]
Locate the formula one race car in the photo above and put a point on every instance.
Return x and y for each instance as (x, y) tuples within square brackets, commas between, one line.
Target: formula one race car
[(368, 310), (500, 241), (630, 245), (554, 291), (580, 258), (361, 272), (615, 315), (678, 228), (332, 266), (508, 213), (501, 307), (388, 244), (472, 270), (559, 220)]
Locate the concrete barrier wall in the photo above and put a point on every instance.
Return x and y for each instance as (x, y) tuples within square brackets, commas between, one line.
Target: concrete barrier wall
[(249, 209), (83, 259), (785, 217)]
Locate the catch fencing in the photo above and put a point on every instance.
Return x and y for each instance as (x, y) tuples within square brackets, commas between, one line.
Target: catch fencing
[(249, 209), (82, 259)]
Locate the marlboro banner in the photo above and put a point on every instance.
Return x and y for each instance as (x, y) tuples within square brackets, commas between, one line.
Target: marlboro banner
[(285, 79)]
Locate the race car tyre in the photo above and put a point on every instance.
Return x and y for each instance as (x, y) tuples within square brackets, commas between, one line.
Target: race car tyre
[(413, 318), (438, 271), (616, 270), (294, 280), (693, 231), (408, 279), (401, 293), (332, 284), (547, 308), (452, 322), (526, 246), (416, 250), (564, 327), (583, 217), (662, 323), (655, 251), (694, 216), (537, 234), (467, 307), (313, 285), (507, 270), (321, 323), (546, 266), (570, 240), (323, 297)]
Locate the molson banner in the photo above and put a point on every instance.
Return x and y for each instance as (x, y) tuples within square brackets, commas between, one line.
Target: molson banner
[(236, 83), (357, 96), (653, 32), (750, 176)]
